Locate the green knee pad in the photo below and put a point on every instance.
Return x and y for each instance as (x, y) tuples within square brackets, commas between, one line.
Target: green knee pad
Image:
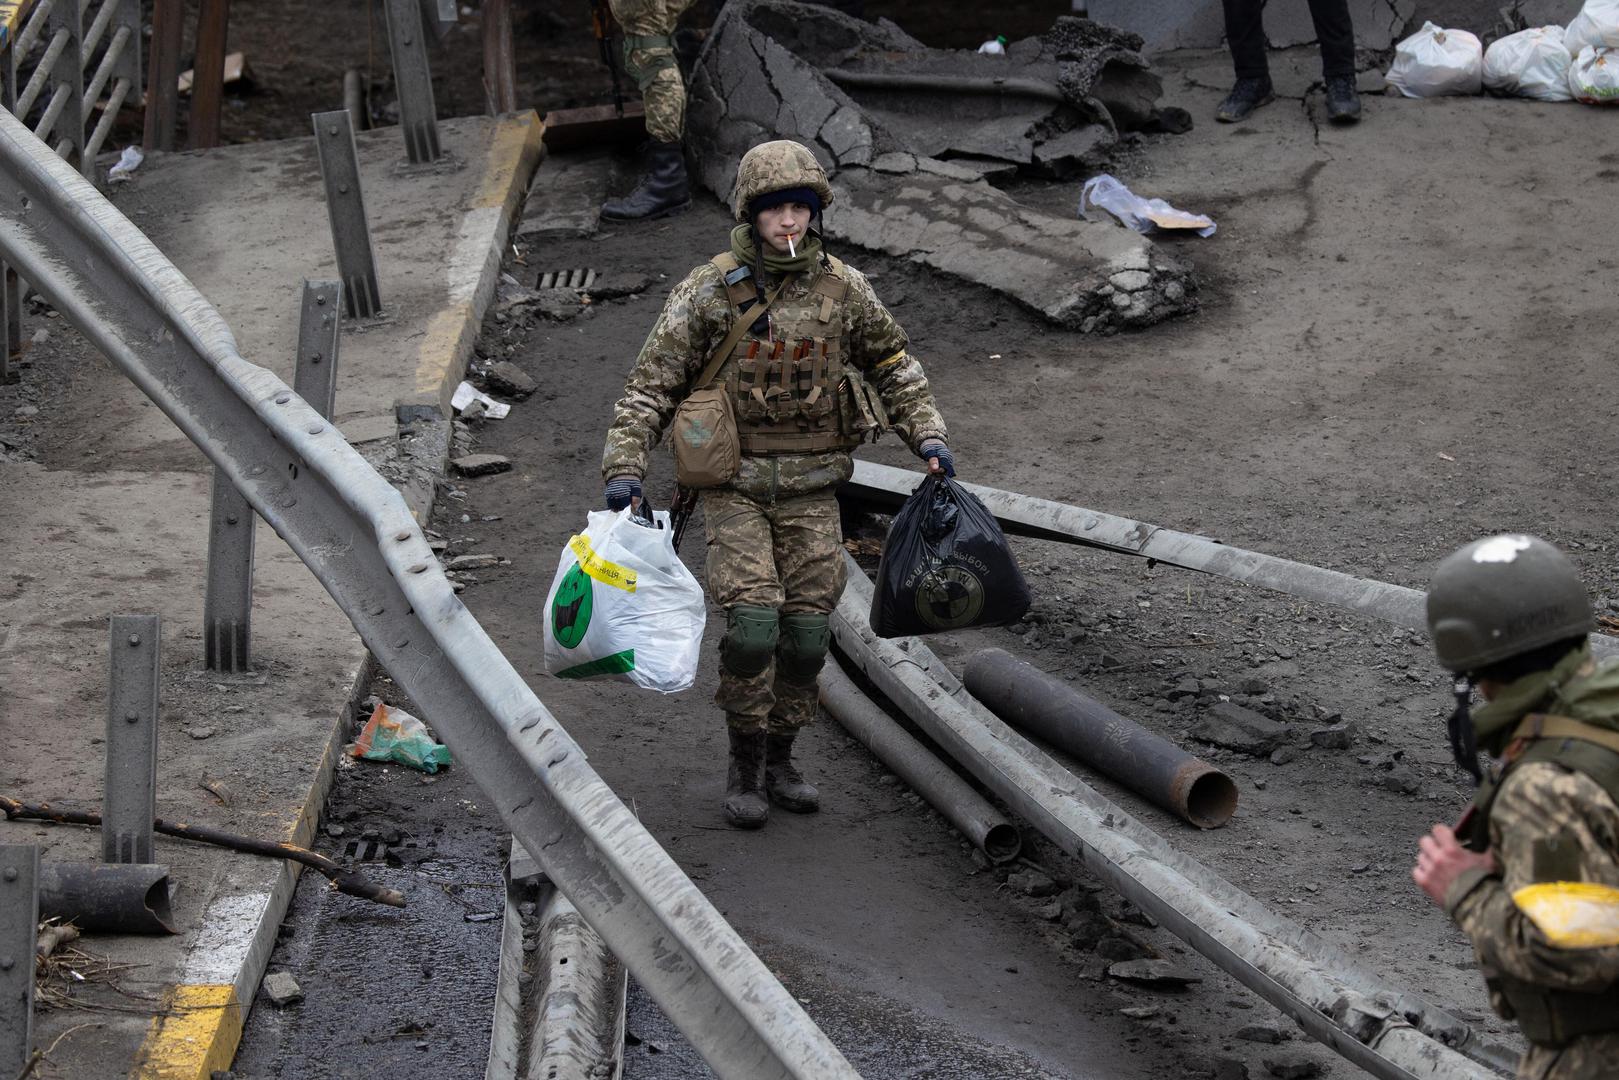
[(663, 56), (805, 638), (750, 640)]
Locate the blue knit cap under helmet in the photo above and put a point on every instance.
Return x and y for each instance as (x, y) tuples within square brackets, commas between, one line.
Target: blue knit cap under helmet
[(772, 199)]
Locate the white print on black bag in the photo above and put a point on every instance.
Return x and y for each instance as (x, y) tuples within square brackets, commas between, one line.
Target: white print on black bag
[(623, 606)]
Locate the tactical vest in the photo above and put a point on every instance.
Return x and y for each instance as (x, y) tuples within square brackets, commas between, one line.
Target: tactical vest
[(786, 385), (1553, 1017)]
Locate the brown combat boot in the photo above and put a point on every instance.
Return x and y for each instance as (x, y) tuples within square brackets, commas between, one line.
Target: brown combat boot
[(785, 786), (745, 805)]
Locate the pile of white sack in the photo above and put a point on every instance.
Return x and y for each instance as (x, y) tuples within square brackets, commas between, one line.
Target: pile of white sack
[(1547, 63)]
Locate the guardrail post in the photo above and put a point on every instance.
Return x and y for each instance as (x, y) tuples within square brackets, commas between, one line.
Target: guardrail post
[(227, 608), (413, 81), (10, 292), (315, 376), (163, 75), (345, 206), (67, 132), (19, 930), (129, 802), (208, 73)]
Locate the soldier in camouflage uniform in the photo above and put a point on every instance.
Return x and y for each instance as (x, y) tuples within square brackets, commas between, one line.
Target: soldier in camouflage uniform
[(1532, 872), (806, 379), (649, 58)]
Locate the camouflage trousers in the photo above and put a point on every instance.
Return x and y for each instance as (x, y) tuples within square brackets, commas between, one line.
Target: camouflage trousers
[(649, 59), (1588, 1058), (785, 554)]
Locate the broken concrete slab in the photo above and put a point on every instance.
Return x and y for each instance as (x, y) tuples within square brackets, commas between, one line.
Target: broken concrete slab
[(1236, 728), (764, 74), (1087, 276), (565, 197), (1200, 24)]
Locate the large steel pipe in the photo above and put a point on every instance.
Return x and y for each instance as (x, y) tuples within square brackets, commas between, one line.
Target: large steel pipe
[(949, 794), (1148, 764), (115, 898)]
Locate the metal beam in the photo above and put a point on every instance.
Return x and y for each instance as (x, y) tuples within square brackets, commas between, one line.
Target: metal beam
[(1387, 1032), (129, 799), (314, 376), (345, 209), (19, 929), (163, 75), (356, 534), (413, 81), (227, 607)]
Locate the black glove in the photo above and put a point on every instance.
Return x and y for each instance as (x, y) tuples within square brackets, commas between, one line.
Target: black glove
[(621, 490), (933, 448)]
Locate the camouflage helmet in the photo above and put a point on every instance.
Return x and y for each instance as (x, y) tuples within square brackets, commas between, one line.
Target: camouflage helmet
[(1503, 596), (773, 166)]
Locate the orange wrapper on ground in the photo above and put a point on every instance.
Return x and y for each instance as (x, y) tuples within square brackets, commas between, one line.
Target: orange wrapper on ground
[(395, 735)]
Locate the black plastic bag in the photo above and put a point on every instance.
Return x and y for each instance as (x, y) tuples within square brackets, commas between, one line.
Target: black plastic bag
[(945, 566)]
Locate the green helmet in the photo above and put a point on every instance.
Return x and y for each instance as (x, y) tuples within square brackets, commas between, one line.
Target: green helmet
[(773, 166), (1503, 596)]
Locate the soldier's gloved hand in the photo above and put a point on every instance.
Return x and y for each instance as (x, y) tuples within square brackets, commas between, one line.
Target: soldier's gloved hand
[(623, 491), (939, 458)]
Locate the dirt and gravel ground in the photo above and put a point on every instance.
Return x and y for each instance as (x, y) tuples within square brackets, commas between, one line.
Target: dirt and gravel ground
[(1402, 346)]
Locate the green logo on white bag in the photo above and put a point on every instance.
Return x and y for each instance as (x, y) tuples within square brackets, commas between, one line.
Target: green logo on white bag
[(570, 610)]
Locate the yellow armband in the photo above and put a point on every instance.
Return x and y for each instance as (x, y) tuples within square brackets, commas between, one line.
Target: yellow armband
[(1572, 914), (896, 358)]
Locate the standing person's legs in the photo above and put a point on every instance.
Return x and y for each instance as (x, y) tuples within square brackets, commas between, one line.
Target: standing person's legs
[(1337, 37), (742, 580), (649, 59), (809, 558), (1245, 34)]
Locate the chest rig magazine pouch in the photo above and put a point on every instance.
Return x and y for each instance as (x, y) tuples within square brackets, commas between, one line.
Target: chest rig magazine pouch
[(1550, 1017), (791, 391)]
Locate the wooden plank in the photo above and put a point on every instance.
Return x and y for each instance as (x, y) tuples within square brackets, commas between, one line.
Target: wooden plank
[(594, 125), (208, 83)]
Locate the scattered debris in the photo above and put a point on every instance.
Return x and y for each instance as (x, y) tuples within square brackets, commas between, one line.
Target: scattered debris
[(1239, 729), (481, 464), (1292, 1067), (201, 731), (1262, 1033), (395, 735), (1153, 973), (283, 989), (473, 562), (1033, 883), (219, 790), (1337, 737), (53, 936), (465, 394), (507, 378), (123, 170), (1143, 215), (1140, 1012)]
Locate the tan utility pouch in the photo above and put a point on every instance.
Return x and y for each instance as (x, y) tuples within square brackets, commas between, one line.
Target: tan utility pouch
[(861, 416), (703, 435)]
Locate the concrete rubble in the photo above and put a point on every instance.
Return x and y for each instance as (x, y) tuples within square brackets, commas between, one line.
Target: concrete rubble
[(865, 98)]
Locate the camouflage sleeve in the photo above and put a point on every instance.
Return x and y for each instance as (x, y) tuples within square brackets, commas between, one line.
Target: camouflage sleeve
[(1551, 916), (879, 349), (693, 320)]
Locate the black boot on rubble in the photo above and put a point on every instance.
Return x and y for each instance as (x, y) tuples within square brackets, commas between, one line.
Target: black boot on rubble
[(663, 190), (745, 805), (1246, 96), (1343, 101), (783, 783)]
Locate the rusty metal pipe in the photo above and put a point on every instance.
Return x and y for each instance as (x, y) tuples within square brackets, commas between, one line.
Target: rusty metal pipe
[(949, 794), (1148, 764), (117, 898)]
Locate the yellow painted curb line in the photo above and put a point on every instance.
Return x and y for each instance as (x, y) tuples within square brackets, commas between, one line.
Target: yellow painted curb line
[(196, 1034), (514, 154)]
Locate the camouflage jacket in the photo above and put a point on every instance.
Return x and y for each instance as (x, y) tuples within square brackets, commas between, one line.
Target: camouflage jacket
[(696, 318), (1548, 917)]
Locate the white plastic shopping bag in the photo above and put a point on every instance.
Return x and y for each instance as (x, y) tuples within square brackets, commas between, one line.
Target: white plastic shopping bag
[(1143, 215), (1531, 63), (623, 606), (1435, 61), (1597, 24), (1594, 76)]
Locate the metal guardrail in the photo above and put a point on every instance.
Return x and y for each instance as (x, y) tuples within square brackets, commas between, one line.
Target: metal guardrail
[(357, 536)]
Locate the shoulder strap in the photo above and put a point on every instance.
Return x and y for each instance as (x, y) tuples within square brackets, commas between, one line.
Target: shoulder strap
[(739, 326), (1549, 726), (1560, 740)]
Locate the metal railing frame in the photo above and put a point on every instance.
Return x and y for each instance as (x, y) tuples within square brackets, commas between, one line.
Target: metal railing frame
[(356, 534), (80, 69)]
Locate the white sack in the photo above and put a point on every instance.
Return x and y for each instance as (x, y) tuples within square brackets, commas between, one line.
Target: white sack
[(623, 606), (1597, 25), (1435, 61), (1594, 76), (1531, 63)]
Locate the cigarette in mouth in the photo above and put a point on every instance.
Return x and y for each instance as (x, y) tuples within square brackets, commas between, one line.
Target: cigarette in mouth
[(790, 249)]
